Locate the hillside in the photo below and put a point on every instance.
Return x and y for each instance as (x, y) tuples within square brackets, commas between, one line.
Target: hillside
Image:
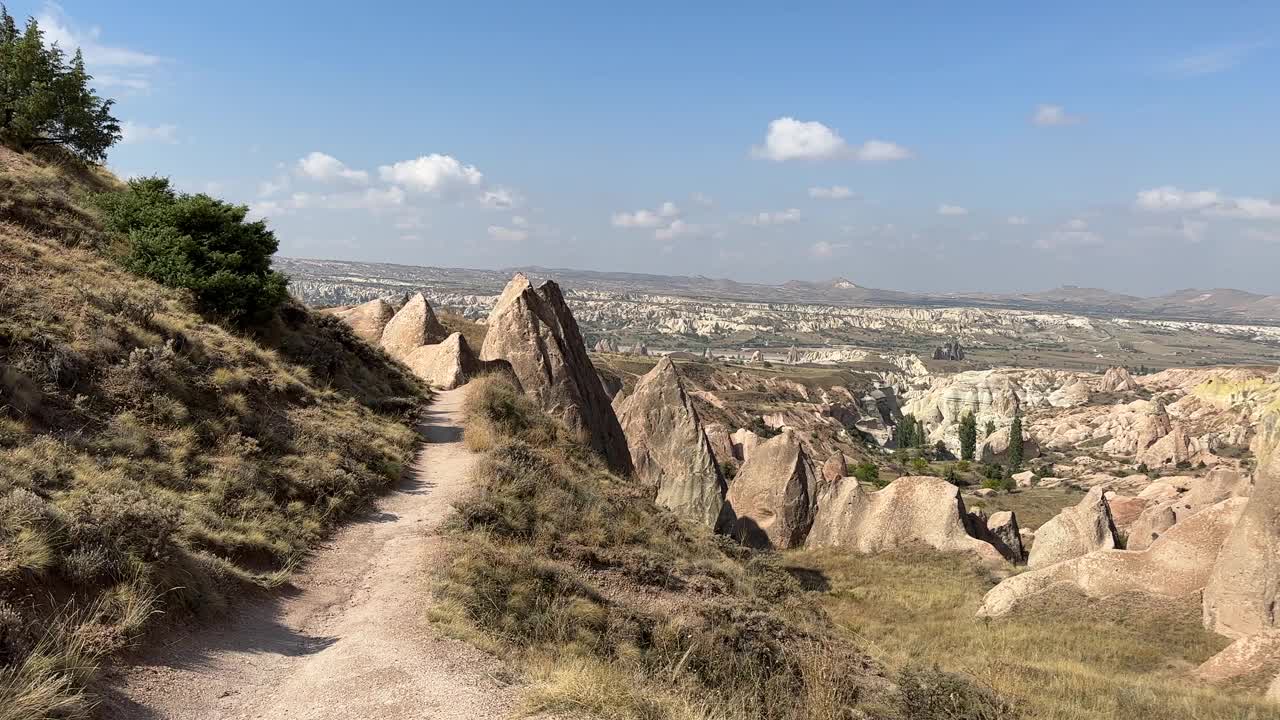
[(154, 464)]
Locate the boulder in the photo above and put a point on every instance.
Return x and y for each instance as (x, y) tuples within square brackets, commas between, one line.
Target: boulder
[(413, 326), (534, 331), (1028, 537), (1075, 531), (1125, 510), (1243, 594), (835, 467), (744, 443), (772, 498), (1151, 523), (1175, 499), (1003, 526), (721, 443), (756, 357), (445, 365), (1117, 379), (1024, 479), (911, 511), (669, 450), (1073, 394), (995, 448), (1173, 449), (1244, 659), (367, 320), (1177, 565)]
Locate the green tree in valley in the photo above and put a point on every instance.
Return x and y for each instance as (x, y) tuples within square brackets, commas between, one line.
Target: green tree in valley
[(1015, 444), (197, 243), (47, 101), (968, 436), (989, 428)]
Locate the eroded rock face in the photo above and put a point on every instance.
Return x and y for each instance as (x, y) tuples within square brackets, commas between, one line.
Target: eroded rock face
[(995, 448), (1176, 565), (445, 365), (1243, 595), (1117, 379), (772, 497), (910, 511), (534, 331), (744, 443), (1074, 532), (669, 450), (1004, 526), (368, 320), (721, 443), (835, 467), (412, 327)]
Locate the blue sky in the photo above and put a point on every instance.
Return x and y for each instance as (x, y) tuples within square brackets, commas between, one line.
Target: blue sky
[(923, 146)]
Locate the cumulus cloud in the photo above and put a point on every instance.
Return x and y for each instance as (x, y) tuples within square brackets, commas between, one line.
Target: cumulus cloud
[(677, 228), (519, 221), (1016, 220), (431, 173), (500, 198), (497, 232), (1211, 202), (1247, 207), (822, 248), (646, 218), (835, 192), (1054, 115), (777, 217), (135, 133), (790, 139), (945, 209), (323, 167)]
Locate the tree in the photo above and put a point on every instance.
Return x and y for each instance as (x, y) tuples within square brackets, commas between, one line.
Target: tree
[(198, 243), (989, 428), (46, 101), (867, 472), (1015, 443), (968, 436), (909, 433)]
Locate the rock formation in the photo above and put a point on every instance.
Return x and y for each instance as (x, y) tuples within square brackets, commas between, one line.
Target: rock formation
[(772, 496), (669, 450), (368, 320), (995, 447), (606, 345), (835, 467), (912, 510), (413, 326), (1075, 531), (534, 331), (950, 350), (744, 443), (1243, 595), (448, 364), (1117, 379), (1004, 527), (756, 357), (1177, 565), (721, 443)]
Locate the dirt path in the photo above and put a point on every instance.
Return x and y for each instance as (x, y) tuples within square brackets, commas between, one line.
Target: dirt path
[(352, 640)]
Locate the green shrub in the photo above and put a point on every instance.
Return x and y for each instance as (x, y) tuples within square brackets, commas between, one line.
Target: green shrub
[(919, 466), (197, 243), (867, 472), (929, 693)]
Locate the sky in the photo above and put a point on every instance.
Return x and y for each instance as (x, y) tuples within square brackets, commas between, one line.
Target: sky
[(917, 146)]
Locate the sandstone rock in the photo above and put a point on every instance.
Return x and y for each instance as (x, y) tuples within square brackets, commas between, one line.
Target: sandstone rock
[(1177, 565), (744, 443), (1028, 537), (1117, 379), (995, 448), (756, 357), (368, 320), (413, 326), (1243, 658), (445, 365), (1073, 394), (1024, 479), (535, 332), (1050, 482), (912, 510), (1074, 532), (1243, 594), (606, 345), (1172, 449), (669, 450), (773, 496), (1151, 523), (1125, 510), (721, 443), (984, 492), (1003, 526), (835, 467)]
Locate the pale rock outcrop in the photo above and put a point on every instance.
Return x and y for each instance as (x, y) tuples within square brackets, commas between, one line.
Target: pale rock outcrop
[(911, 511), (835, 467), (1247, 656), (772, 498), (1075, 531), (368, 319), (445, 365), (1243, 595), (605, 345), (1125, 510), (1028, 537), (756, 357), (1024, 479), (1173, 449), (669, 450), (744, 443), (1117, 379), (535, 332), (413, 326), (721, 442), (1073, 394), (1177, 565), (995, 447)]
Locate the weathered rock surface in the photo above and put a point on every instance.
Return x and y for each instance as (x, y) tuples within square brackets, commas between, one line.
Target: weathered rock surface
[(995, 448), (445, 365), (1117, 379), (669, 450), (534, 331), (744, 443), (1243, 595), (1004, 527), (721, 443), (413, 326), (367, 320), (772, 498), (835, 467), (911, 511), (1176, 565), (1075, 531), (1248, 656)]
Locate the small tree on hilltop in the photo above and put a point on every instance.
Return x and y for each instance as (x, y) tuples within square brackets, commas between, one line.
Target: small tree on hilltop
[(1015, 444), (968, 436), (46, 101)]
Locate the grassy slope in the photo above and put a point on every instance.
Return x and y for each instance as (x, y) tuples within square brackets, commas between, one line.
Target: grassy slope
[(615, 609), (150, 460)]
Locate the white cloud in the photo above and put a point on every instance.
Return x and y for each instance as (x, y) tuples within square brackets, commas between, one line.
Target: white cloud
[(265, 209), (1075, 224), (134, 133), (646, 218), (319, 166), (945, 209), (1247, 207), (1168, 197), (835, 192), (677, 228), (791, 139), (497, 232), (1212, 61), (431, 173), (130, 81), (500, 198), (1016, 220), (822, 248), (57, 29), (1053, 115), (267, 188), (779, 217)]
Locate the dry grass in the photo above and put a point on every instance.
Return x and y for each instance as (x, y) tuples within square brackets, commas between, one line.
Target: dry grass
[(151, 460), (1071, 658), (615, 609), (473, 331)]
